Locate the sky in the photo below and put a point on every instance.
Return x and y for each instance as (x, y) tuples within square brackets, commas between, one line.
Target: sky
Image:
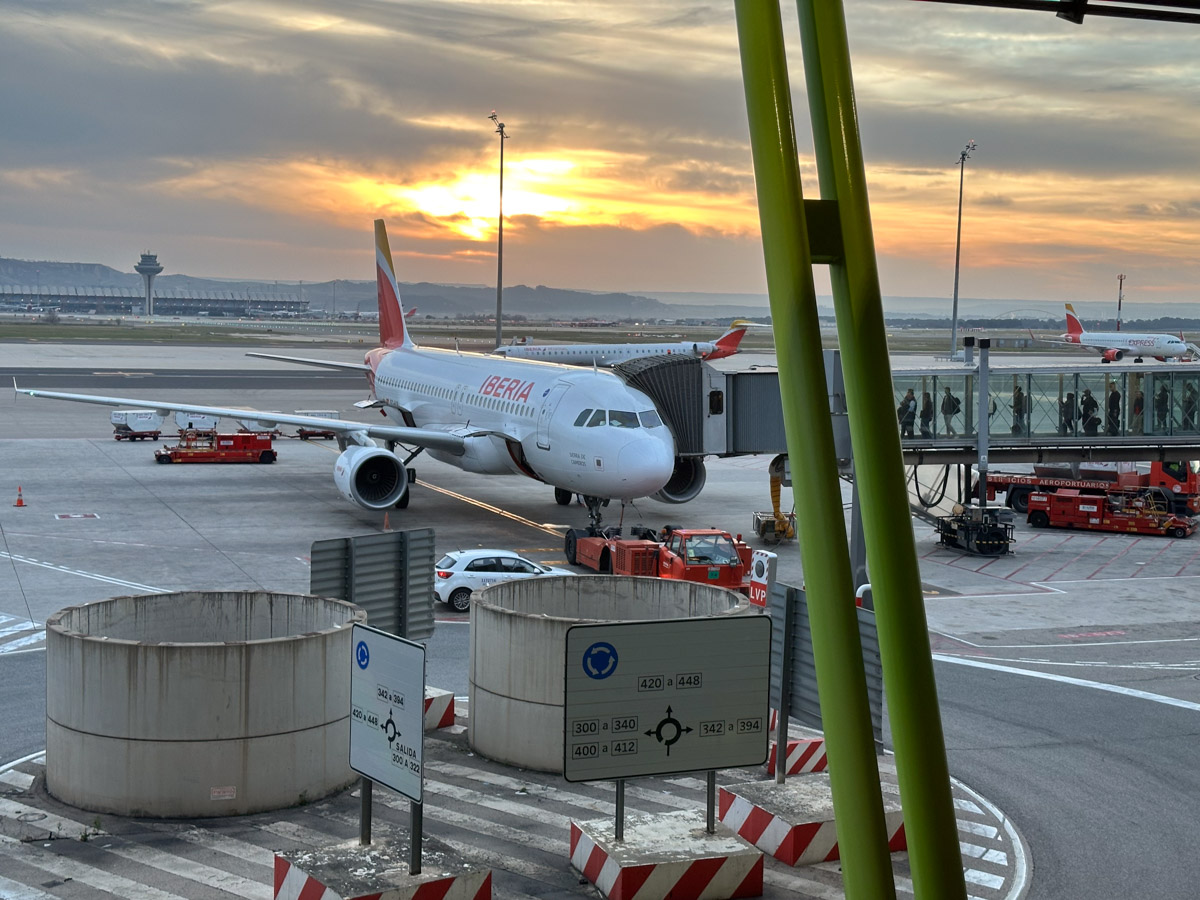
[(260, 138)]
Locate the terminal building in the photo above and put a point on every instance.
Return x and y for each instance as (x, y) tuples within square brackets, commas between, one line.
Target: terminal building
[(167, 301)]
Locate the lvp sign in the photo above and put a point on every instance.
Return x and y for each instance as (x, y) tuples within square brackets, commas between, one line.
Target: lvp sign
[(665, 697)]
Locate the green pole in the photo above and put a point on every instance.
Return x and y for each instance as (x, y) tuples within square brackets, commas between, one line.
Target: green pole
[(911, 691), (841, 682)]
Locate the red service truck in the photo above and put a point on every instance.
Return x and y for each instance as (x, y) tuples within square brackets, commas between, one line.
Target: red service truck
[(209, 447), (705, 555), (1140, 511), (1180, 480)]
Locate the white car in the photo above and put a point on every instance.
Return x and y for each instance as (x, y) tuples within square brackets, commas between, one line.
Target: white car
[(460, 573)]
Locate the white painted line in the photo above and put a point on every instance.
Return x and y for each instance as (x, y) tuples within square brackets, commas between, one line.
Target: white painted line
[(32, 757), (25, 625), (104, 578), (243, 850), (71, 868), (999, 857), (984, 879), (182, 867), (967, 806), (799, 886), (19, 780), (302, 834), (1020, 874), (13, 890), (39, 820), (978, 828), (1078, 682), (35, 638)]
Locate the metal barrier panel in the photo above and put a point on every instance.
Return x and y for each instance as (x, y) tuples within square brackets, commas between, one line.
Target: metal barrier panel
[(793, 668), (390, 575)]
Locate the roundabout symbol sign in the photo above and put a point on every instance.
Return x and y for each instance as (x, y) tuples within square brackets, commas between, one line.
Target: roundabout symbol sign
[(600, 660)]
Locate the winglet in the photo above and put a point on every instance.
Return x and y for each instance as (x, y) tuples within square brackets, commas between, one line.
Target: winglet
[(392, 331)]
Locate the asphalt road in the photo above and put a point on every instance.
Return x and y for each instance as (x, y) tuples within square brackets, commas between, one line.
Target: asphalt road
[(1102, 787)]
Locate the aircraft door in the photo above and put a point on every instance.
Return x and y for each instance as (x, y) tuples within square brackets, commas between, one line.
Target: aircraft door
[(549, 405)]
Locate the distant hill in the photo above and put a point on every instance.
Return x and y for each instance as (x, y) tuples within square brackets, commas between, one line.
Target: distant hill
[(541, 302)]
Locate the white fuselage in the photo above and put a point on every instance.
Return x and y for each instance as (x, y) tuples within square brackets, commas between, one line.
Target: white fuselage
[(602, 354), (522, 417), (1157, 345)]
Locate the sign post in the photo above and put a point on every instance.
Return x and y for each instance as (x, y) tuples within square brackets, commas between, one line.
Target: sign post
[(665, 697), (387, 722)]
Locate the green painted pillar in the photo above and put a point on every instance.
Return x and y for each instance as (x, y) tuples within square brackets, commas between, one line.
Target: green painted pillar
[(841, 683), (911, 691)]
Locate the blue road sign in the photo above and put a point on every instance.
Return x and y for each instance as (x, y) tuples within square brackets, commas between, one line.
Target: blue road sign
[(600, 660), (362, 654)]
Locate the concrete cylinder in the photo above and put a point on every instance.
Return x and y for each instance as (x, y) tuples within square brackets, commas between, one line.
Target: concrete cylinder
[(518, 649), (198, 703)]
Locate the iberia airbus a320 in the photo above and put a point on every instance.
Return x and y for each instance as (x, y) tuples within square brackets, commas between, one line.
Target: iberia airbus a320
[(581, 431)]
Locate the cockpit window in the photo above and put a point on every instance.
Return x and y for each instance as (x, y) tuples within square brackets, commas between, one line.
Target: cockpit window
[(621, 419), (582, 417), (597, 419), (650, 419)]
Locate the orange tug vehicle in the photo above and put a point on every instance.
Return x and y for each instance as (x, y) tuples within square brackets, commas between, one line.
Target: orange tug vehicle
[(196, 446), (706, 555), (1144, 511)]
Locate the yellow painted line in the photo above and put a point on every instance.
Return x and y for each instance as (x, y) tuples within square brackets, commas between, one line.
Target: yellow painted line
[(556, 530)]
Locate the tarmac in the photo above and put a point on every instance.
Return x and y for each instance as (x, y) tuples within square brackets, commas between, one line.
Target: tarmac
[(103, 520)]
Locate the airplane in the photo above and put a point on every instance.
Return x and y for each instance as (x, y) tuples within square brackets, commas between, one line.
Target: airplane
[(1113, 346), (611, 354), (581, 431)]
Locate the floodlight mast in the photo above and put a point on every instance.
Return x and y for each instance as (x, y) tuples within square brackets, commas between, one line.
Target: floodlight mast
[(962, 163), (500, 234)]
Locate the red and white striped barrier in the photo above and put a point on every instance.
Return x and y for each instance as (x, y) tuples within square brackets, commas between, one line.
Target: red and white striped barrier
[(716, 877), (293, 883), (802, 756), (794, 843), (439, 709)]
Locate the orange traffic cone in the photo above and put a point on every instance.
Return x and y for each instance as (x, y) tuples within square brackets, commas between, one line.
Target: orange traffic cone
[(20, 499)]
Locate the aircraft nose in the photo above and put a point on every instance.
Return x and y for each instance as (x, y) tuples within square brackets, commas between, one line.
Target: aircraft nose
[(646, 465)]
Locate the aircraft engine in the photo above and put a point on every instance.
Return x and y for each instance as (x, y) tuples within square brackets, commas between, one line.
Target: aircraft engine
[(687, 480), (1113, 355), (370, 477)]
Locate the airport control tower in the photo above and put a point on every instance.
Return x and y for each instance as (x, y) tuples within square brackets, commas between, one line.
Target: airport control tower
[(148, 268)]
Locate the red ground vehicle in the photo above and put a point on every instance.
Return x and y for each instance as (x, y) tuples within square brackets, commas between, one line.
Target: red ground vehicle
[(209, 447), (1141, 511), (1179, 479), (706, 555)]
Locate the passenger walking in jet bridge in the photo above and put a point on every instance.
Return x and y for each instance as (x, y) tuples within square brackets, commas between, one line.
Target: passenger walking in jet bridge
[(1018, 408), (926, 415), (1162, 405), (1139, 412), (950, 406), (1112, 423), (1088, 406), (1189, 407), (907, 414), (1067, 414)]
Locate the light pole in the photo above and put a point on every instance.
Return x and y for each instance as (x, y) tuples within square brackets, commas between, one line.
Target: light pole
[(1120, 297), (500, 233), (962, 163)]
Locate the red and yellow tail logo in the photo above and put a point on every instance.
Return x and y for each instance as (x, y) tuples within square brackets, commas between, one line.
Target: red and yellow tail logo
[(1074, 326), (727, 344), (392, 332)]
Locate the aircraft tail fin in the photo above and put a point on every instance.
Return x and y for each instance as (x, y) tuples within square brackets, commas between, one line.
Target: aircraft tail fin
[(1074, 326), (727, 344), (393, 333)]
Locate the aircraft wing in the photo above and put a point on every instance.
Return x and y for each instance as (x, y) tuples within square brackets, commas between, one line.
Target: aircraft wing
[(323, 363), (355, 432), (1042, 340)]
